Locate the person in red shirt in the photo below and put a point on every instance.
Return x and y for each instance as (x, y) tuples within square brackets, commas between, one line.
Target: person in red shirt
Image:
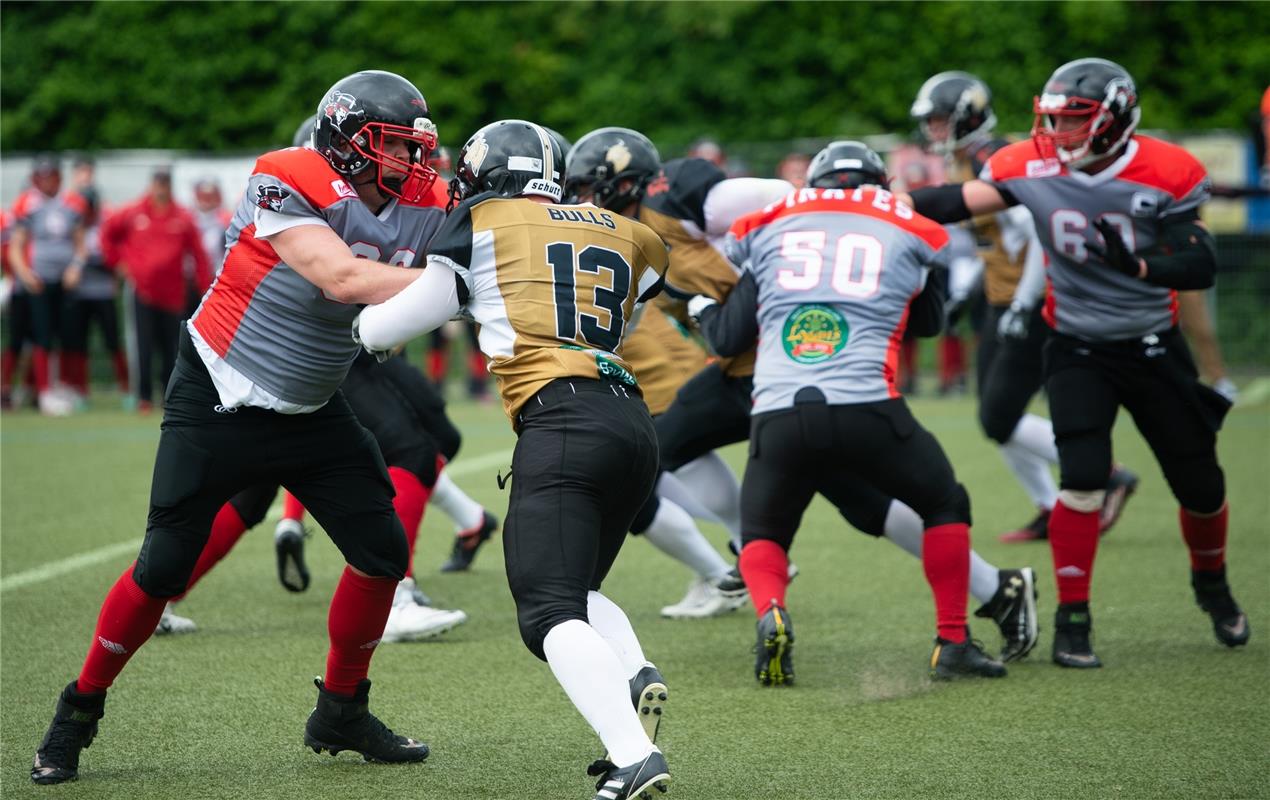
[(147, 241)]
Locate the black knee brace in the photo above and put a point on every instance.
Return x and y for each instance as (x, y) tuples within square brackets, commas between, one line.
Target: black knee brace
[(167, 560), (1084, 461)]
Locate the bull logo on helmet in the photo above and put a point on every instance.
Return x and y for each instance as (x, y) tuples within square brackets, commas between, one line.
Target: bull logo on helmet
[(338, 106), (619, 155)]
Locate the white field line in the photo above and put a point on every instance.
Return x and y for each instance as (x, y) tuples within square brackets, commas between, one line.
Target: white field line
[(56, 569)]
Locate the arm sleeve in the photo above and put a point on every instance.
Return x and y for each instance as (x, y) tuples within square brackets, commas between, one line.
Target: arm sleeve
[(731, 328), (735, 197), (423, 306), (1185, 258), (926, 311)]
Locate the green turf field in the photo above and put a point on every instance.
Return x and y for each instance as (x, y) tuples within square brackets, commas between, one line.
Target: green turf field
[(219, 714)]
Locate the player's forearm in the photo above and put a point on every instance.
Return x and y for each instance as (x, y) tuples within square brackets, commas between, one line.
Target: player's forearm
[(926, 312), (422, 306), (1187, 259), (954, 202)]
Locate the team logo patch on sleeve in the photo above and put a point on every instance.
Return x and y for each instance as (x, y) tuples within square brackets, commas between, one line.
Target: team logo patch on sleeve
[(814, 333), (271, 196)]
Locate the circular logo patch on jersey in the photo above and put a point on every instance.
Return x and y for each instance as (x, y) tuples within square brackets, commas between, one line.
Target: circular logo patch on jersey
[(814, 333)]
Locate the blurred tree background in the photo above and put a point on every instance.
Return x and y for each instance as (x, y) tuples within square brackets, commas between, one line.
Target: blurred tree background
[(239, 76)]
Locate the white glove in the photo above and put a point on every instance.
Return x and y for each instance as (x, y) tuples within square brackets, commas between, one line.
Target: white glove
[(699, 303), (1013, 323)]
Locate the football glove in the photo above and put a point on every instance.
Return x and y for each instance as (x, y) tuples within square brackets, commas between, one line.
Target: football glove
[(698, 304), (380, 355), (1013, 323), (1115, 253)]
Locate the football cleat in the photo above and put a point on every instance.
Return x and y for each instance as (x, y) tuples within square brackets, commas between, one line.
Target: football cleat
[(467, 542), (409, 621), (171, 623), (1120, 487), (73, 727), (774, 663), (1212, 593), (705, 599), (1072, 627), (645, 779), (1038, 528), (648, 694), (408, 584), (732, 584), (962, 659), (288, 544), (1013, 608), (340, 723)]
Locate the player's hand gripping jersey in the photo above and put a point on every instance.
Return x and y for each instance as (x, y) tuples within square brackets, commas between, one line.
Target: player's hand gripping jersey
[(1150, 185), (272, 329), (835, 271), (557, 299)]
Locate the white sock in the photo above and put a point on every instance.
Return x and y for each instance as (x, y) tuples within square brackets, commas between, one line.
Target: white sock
[(904, 528), (610, 621), (1032, 472), (591, 676), (711, 480), (674, 533), (1036, 434), (455, 504), (669, 487)]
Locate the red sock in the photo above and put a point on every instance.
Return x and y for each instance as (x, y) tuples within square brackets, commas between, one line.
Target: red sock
[(946, 562), (126, 621), (476, 366), (40, 365), (359, 611), (437, 365), (410, 502), (765, 567), (1073, 542), (952, 361), (120, 362), (75, 370), (291, 507), (8, 363), (1205, 536), (227, 529)]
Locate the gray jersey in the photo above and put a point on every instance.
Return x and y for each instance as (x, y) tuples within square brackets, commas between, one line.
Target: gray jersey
[(96, 282), (50, 222), (1150, 182), (263, 318), (834, 271)]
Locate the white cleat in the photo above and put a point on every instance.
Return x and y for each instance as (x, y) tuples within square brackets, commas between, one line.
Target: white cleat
[(411, 621), (703, 600), (171, 623)]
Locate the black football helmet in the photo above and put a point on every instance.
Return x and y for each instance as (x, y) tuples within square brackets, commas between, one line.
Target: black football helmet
[(1101, 96), (304, 134), (846, 165), (603, 160), (511, 158), (355, 116), (961, 99)]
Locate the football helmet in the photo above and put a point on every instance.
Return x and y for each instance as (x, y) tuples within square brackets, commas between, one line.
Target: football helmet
[(960, 99), (846, 165), (1100, 97), (604, 160), (356, 116), (511, 158), (304, 134)]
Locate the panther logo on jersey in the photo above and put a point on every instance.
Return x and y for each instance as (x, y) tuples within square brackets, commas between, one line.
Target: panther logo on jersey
[(814, 333), (271, 196), (338, 106)]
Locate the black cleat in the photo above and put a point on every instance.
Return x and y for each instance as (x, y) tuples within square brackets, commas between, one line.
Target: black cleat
[(73, 727), (288, 544), (731, 585), (1072, 626), (1120, 487), (774, 664), (1013, 608), (646, 779), (341, 723), (1036, 530), (648, 694), (467, 542), (1212, 593), (964, 659)]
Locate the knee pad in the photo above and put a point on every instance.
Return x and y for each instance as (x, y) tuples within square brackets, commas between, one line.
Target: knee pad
[(383, 553), (166, 561), (954, 508), (253, 504), (644, 517), (996, 426), (1083, 501), (417, 455), (448, 439), (537, 619), (1201, 487)]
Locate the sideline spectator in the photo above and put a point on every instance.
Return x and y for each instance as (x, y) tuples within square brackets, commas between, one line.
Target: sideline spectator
[(793, 168), (147, 241), (212, 219), (93, 301)]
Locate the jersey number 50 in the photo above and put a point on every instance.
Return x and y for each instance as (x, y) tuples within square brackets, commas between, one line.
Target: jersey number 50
[(805, 248), (592, 259)]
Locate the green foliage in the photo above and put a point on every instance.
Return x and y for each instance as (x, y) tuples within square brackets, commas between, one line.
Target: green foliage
[(239, 76)]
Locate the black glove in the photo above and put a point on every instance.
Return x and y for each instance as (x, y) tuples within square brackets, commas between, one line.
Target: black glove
[(953, 309), (1116, 253), (1013, 323)]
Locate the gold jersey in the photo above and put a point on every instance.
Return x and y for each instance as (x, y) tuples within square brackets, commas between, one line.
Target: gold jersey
[(663, 357), (552, 287), (1001, 274)]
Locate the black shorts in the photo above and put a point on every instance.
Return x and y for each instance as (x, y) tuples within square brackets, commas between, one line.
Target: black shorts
[(843, 452), (710, 411), (585, 461), (1009, 374), (328, 461), (1155, 379)]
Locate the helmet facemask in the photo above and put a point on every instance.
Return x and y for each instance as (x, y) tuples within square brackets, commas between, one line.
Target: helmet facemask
[(1103, 133), (416, 176)]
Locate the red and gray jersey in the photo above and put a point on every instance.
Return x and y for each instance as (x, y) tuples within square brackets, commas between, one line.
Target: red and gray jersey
[(1150, 183), (835, 271), (212, 227), (50, 223), (96, 282), (266, 321)]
